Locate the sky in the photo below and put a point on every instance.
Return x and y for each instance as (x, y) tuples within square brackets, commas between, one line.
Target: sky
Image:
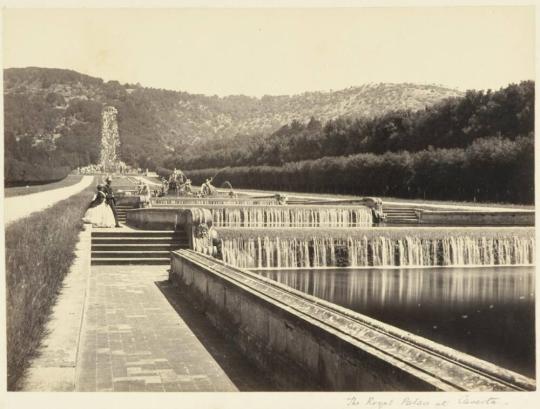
[(278, 51)]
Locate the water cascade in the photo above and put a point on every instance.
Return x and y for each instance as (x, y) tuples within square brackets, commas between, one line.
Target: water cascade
[(291, 216), (110, 140), (379, 251)]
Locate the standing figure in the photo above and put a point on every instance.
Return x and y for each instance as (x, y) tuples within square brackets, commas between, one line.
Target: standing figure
[(144, 195), (111, 201), (99, 214)]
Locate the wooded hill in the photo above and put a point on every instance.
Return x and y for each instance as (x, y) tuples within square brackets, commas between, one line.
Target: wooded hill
[(52, 116), (451, 123), (476, 148)]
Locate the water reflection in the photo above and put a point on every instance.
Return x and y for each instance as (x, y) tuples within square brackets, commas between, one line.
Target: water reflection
[(486, 312)]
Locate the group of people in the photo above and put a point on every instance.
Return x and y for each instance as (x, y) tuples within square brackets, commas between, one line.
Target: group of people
[(102, 209)]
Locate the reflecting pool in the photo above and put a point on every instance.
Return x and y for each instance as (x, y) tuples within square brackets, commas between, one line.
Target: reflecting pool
[(487, 312)]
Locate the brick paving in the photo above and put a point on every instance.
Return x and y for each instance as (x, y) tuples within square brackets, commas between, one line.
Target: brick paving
[(139, 335)]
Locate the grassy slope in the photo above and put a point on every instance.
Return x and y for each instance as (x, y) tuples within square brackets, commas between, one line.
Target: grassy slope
[(23, 190), (39, 253)]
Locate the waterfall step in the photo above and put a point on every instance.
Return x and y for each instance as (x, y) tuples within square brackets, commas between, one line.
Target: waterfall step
[(143, 247)]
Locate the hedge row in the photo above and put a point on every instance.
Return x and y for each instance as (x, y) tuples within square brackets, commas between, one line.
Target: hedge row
[(489, 170), (21, 173)]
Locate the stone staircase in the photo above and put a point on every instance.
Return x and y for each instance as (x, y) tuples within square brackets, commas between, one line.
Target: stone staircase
[(121, 211), (115, 247), (400, 215)]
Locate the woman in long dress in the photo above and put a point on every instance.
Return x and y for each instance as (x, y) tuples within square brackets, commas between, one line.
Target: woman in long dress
[(99, 213)]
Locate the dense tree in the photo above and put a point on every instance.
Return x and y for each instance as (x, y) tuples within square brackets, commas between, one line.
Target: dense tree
[(491, 169)]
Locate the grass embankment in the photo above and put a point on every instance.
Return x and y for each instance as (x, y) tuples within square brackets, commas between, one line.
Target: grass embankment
[(39, 253), (23, 190)]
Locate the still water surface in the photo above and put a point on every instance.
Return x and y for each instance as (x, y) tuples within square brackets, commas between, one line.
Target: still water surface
[(485, 312)]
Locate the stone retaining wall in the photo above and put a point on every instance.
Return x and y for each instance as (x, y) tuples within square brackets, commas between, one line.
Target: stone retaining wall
[(157, 218), (305, 343)]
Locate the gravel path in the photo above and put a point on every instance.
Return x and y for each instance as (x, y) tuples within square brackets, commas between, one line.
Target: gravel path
[(18, 207)]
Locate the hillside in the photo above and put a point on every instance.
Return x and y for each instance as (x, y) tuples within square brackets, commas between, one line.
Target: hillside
[(451, 123), (52, 116)]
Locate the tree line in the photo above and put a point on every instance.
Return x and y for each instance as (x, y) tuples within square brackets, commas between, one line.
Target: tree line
[(452, 123), (489, 169)]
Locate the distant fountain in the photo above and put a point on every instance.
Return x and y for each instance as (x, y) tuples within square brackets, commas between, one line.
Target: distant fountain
[(378, 251), (110, 140)]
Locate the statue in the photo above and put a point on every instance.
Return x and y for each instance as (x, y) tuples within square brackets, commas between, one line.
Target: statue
[(185, 189), (176, 179), (281, 199), (377, 212), (207, 189)]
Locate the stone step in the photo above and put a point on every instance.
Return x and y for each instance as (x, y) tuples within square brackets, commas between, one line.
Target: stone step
[(123, 261), (139, 247), (139, 233), (138, 240), (130, 254), (400, 215)]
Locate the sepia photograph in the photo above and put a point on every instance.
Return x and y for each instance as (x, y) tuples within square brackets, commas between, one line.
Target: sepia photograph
[(270, 199)]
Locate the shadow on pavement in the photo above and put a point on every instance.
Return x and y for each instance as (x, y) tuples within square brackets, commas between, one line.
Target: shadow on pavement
[(245, 376)]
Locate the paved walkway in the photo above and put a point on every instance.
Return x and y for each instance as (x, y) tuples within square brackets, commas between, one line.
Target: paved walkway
[(139, 335), (17, 207)]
